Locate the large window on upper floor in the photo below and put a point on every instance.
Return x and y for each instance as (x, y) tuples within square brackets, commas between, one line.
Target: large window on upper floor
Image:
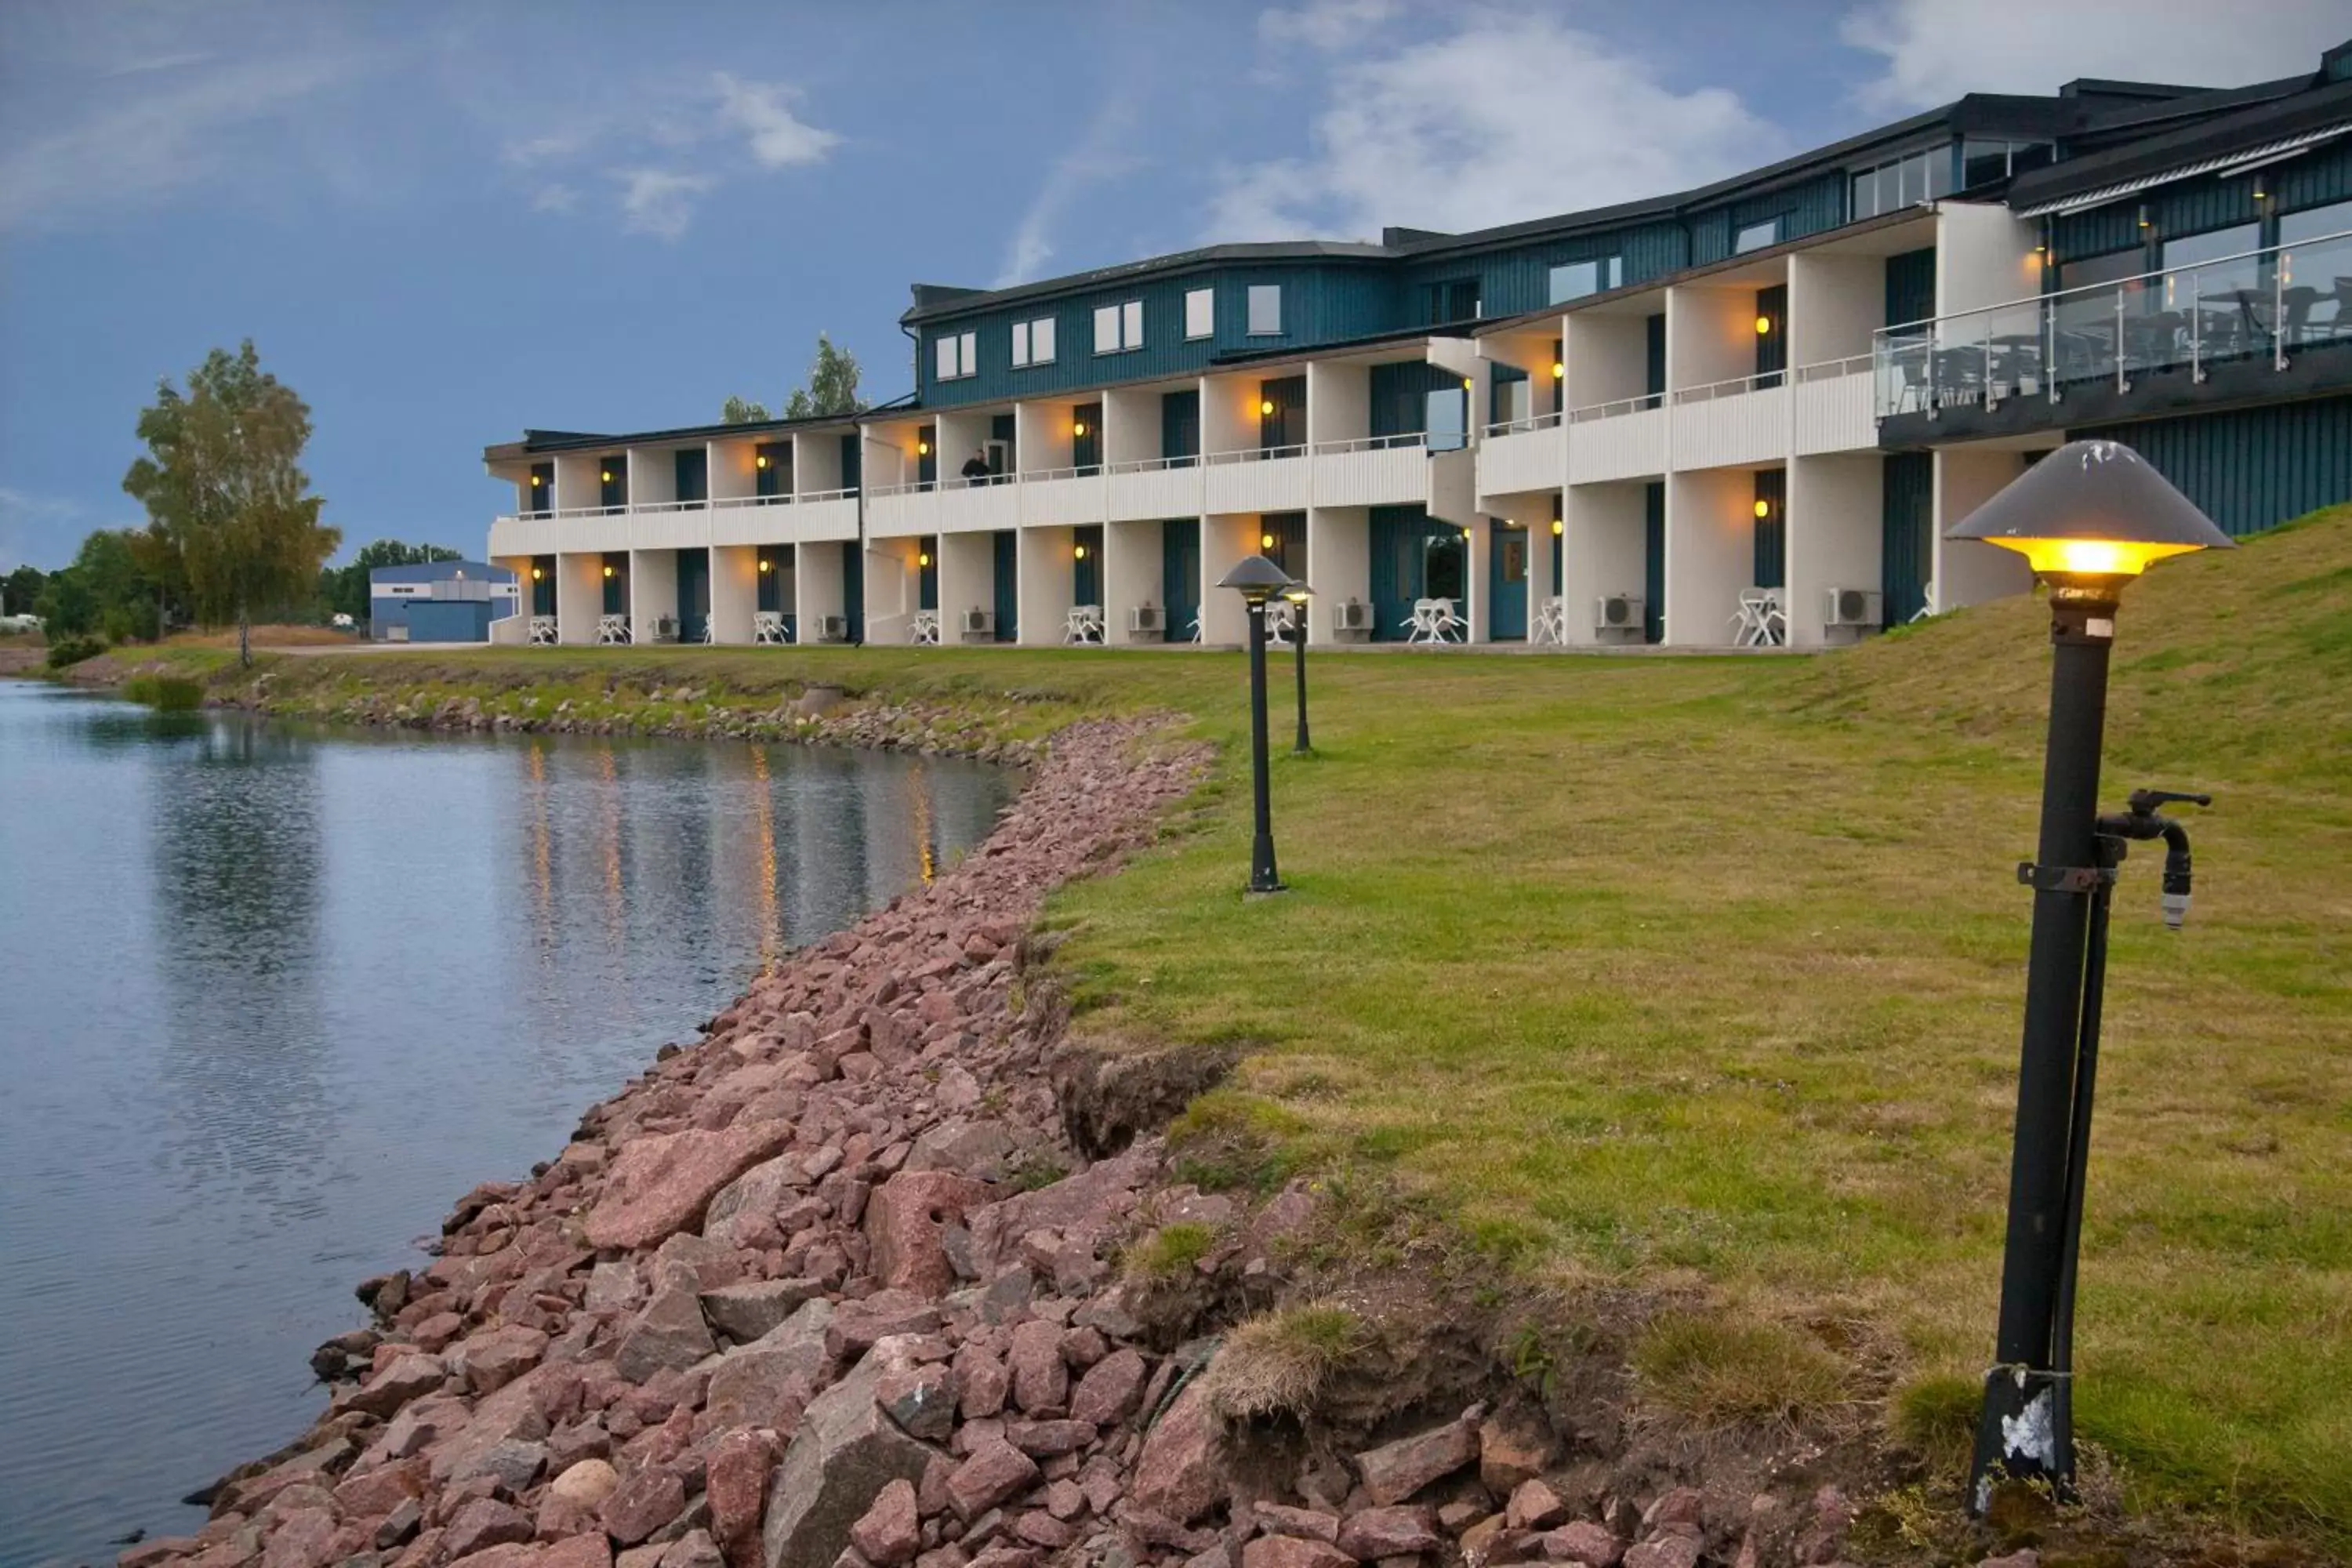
[(2314, 222), (1920, 177), (1200, 313), (1033, 342), (958, 355), (1755, 236), (1984, 160), (1575, 279), (1119, 328), (1265, 310)]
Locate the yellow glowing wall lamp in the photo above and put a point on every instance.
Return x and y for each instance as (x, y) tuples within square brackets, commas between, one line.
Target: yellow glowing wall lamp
[(2090, 517), (537, 481), (1558, 369), (1763, 507), (1558, 528), (608, 571), (536, 574), (923, 558), (606, 475), (922, 449), (1078, 553), (760, 461), (1763, 326), (1266, 405), (1078, 426), (766, 564), (1265, 542)]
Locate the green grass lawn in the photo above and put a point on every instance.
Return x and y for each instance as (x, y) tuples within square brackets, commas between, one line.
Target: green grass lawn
[(1704, 975)]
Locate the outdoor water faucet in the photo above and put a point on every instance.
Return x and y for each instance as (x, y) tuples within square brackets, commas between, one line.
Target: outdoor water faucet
[(2141, 821)]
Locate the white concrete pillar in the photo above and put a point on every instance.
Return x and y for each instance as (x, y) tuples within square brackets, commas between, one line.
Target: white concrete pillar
[(1836, 538), (1046, 589), (966, 582), (653, 591), (1338, 566), (819, 589), (1226, 539), (734, 592), (1605, 538), (579, 594), (1969, 570), (1131, 578), (1710, 553)]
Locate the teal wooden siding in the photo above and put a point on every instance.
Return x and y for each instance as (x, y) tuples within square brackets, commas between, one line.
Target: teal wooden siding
[(1400, 395), (1911, 286), (1906, 533), (1180, 575), (1414, 556), (539, 493), (1772, 552), (542, 584), (1005, 452), (1656, 371), (1654, 561), (1086, 450), (770, 590), (691, 469), (612, 483), (616, 567), (1812, 207), (1322, 302), (1180, 424), (1288, 531), (2251, 469), (1086, 565), (1007, 585), (927, 575), (2208, 201), (1516, 279), (1772, 345), (853, 586), (926, 455), (853, 461), (693, 594)]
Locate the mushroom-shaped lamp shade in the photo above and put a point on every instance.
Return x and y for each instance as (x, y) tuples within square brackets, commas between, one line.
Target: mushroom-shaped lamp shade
[(1297, 592), (2092, 514), (1256, 579)]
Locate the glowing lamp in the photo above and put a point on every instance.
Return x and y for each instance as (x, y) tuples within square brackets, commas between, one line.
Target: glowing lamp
[(1465, 536), (1077, 427), (1558, 369), (1763, 507), (606, 475), (1266, 405), (923, 558), (2090, 517), (1763, 326), (537, 481), (536, 574), (1265, 542), (760, 461), (1078, 553), (608, 571), (922, 449), (1468, 384), (1558, 528), (766, 564), (2145, 221)]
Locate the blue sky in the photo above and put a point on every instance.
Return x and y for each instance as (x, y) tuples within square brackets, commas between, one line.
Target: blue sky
[(441, 223)]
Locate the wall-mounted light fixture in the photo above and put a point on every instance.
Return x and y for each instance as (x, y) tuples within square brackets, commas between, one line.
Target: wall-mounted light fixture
[(2262, 189), (537, 481), (1077, 553), (760, 461), (1558, 369), (608, 571), (922, 449), (1078, 426), (606, 475), (536, 574), (2145, 221), (1266, 405), (1265, 542), (1468, 384), (1763, 326), (766, 564), (1558, 528), (923, 558), (1763, 507)]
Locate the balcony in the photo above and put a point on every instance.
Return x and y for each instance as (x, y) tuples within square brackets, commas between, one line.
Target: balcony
[(1259, 479), (1518, 455), (1146, 488), (1732, 423), (783, 520), (1624, 440), (1065, 497), (678, 525), (1835, 408), (1372, 470), (2257, 326), (948, 506)]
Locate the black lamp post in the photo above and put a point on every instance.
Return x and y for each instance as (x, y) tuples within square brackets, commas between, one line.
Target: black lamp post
[(1259, 580), (2089, 518), (1297, 595)]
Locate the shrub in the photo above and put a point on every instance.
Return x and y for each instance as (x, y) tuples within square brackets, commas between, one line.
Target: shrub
[(1171, 1252), (72, 650), (164, 693), (1719, 1372), (1278, 1364)]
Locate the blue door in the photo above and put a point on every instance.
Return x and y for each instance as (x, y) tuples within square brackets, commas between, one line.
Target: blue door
[(1180, 575), (927, 576), (616, 581), (1654, 561), (1008, 585), (1414, 556), (1282, 539), (1772, 552), (693, 594), (1907, 481), (1506, 585), (853, 587), (542, 586), (1086, 565)]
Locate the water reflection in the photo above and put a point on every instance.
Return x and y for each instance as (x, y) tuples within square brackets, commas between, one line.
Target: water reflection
[(279, 995)]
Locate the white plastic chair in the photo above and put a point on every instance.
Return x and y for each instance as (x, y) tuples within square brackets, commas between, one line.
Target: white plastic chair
[(1083, 626), (1450, 627), (1281, 620), (1551, 622), (925, 631), (542, 631), (612, 630), (1927, 601), (768, 629)]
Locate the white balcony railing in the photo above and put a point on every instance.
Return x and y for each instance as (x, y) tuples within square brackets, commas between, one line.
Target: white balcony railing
[(1708, 392), (1616, 408), (1521, 427), (2257, 306)]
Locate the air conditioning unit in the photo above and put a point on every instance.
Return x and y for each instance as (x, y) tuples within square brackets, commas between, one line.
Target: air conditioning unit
[(1851, 608), (1618, 613), (979, 623), (1148, 618), (1351, 616), (832, 628)]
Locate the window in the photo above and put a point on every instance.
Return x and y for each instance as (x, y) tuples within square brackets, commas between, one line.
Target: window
[(959, 357), (1757, 236), (1119, 328), (1456, 300), (1984, 162), (1575, 279), (1199, 312), (1265, 310), (1033, 342), (1918, 177), (2314, 222)]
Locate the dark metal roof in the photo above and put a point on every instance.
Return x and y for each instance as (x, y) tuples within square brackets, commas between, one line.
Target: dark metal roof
[(535, 442), (2317, 107), (933, 299)]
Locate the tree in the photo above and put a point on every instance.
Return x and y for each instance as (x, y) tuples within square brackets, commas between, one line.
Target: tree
[(736, 411), (104, 591), (226, 495), (345, 588), (20, 590), (831, 385)]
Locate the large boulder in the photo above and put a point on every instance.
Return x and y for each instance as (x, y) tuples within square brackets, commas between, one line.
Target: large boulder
[(661, 1184), (846, 1451), (1180, 1474), (763, 1383), (905, 1220), (670, 1332), (1090, 1204), (744, 1312)]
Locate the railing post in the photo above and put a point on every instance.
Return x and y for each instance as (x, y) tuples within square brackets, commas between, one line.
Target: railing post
[(2197, 327), (2049, 347), (2278, 314), (1990, 402), (2123, 383)]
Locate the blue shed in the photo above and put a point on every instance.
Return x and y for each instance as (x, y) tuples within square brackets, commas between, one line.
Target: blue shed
[(440, 601)]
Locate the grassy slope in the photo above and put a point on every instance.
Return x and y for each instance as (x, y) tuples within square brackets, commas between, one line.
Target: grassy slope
[(1705, 974)]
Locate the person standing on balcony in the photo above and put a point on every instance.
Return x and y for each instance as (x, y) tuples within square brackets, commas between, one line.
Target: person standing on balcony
[(975, 467)]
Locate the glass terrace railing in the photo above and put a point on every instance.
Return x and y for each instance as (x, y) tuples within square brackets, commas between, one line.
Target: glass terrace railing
[(2260, 305)]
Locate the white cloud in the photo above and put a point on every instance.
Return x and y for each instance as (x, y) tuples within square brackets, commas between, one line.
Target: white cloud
[(660, 202), (1325, 24), (1094, 157), (558, 197), (779, 137), (175, 136), (1508, 116), (1935, 50)]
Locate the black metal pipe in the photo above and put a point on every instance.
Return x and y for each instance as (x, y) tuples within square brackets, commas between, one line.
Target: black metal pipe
[(1264, 877), (2078, 1153), (1299, 644), (2019, 1435)]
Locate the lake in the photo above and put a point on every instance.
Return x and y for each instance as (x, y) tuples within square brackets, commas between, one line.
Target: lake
[(272, 997)]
